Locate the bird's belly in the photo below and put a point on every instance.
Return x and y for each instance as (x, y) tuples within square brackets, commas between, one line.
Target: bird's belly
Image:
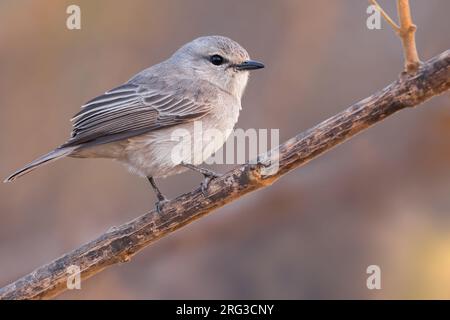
[(160, 153)]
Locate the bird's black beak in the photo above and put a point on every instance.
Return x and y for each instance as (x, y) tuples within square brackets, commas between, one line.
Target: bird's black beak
[(249, 65)]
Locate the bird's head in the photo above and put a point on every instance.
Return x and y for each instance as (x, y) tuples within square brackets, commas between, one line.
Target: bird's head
[(219, 60)]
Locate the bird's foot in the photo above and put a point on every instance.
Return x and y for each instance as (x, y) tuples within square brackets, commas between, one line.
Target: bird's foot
[(209, 175), (159, 205), (161, 199)]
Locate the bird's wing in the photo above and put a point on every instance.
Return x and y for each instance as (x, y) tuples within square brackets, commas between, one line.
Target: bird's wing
[(130, 110)]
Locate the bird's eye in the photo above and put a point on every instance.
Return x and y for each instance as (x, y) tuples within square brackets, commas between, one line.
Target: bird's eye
[(216, 60)]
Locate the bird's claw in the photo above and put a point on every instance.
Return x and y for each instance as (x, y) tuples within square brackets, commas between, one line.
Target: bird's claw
[(205, 183), (159, 205)]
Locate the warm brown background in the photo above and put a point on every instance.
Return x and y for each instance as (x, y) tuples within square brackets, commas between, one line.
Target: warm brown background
[(382, 198)]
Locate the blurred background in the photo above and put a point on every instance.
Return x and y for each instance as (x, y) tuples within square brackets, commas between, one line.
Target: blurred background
[(381, 198)]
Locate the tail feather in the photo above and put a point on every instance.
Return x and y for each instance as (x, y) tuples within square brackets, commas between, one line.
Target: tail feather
[(47, 158)]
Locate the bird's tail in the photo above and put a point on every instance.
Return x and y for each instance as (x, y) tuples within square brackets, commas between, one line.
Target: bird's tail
[(47, 158)]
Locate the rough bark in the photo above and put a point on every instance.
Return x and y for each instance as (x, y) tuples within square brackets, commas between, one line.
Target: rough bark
[(119, 244)]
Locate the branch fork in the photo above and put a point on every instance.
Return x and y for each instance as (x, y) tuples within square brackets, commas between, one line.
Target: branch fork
[(406, 31)]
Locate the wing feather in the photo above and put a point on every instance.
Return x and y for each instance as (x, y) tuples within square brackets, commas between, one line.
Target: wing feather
[(129, 110)]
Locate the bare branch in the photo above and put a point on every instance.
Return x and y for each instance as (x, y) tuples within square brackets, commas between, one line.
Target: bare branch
[(121, 243)]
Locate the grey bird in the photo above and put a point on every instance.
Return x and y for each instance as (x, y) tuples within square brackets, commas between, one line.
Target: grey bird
[(203, 81)]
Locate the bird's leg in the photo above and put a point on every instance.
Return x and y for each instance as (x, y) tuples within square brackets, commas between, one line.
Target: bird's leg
[(161, 199), (208, 174), (204, 171)]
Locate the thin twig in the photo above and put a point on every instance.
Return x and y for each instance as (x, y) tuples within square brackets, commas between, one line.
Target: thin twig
[(386, 16), (121, 243), (407, 34)]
